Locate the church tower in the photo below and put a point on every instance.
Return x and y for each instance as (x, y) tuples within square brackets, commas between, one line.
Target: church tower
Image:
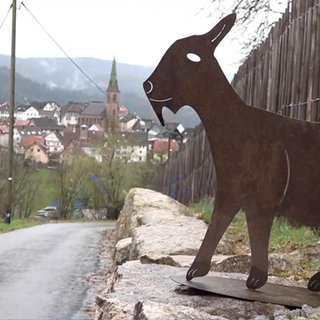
[(112, 103)]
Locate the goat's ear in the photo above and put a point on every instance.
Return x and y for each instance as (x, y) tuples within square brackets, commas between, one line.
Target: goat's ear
[(218, 32)]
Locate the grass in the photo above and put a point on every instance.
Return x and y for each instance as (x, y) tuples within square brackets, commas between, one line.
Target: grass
[(204, 209), (18, 224), (47, 180), (298, 243)]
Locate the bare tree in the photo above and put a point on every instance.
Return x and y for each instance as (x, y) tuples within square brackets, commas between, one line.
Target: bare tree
[(24, 187), (25, 191), (116, 174), (254, 17), (113, 171), (71, 177)]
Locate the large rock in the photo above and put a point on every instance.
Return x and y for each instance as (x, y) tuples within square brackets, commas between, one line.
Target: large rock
[(149, 215), (163, 237), (122, 250), (142, 206), (242, 263), (147, 310), (149, 287)]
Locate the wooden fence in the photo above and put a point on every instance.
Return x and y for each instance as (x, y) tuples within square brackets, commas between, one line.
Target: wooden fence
[(281, 75), (189, 175)]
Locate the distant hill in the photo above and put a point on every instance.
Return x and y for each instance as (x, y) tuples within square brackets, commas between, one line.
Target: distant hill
[(28, 90), (58, 79)]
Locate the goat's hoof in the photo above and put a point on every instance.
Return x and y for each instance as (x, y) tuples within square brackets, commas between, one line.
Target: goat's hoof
[(198, 270), (314, 282), (256, 279)]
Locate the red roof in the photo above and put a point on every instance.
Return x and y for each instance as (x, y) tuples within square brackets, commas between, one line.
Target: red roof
[(161, 146), (21, 123), (69, 135), (123, 110), (27, 141)]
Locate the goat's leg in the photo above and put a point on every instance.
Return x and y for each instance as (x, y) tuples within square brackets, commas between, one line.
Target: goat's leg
[(314, 282), (218, 225), (259, 227)]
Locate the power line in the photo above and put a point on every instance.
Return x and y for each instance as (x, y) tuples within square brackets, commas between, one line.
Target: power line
[(6, 16), (64, 52)]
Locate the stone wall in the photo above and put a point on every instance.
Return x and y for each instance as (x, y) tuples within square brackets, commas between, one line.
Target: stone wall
[(157, 238)]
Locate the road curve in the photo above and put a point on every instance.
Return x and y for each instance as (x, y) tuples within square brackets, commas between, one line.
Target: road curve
[(43, 270)]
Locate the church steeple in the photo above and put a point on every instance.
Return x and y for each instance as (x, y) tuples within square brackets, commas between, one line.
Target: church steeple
[(113, 82), (112, 103)]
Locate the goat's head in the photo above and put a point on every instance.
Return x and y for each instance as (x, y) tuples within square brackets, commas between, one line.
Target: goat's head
[(186, 70)]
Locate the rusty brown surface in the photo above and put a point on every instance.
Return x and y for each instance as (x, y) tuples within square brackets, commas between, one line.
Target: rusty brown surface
[(271, 293), (266, 164)]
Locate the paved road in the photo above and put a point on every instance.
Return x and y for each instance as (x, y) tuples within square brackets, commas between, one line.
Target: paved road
[(43, 270)]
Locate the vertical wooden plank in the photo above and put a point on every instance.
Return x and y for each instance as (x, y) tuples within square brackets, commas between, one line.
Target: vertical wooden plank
[(312, 28), (316, 72), (282, 64)]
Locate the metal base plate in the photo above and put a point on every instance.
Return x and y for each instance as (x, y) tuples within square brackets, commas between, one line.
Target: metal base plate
[(269, 293)]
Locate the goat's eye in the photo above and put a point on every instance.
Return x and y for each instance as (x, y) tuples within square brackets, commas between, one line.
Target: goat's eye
[(193, 57)]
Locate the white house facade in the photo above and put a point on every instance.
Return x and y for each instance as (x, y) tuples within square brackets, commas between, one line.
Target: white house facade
[(133, 153), (53, 143), (24, 114)]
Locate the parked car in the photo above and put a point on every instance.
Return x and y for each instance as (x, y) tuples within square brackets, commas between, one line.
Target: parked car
[(47, 212)]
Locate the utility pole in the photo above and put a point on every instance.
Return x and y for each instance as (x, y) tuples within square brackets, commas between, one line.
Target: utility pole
[(11, 111)]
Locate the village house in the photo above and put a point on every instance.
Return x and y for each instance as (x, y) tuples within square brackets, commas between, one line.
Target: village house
[(48, 109), (127, 122), (53, 143), (146, 125), (92, 136), (37, 152), (94, 113), (4, 111), (160, 149), (20, 133), (54, 115), (95, 134), (26, 142), (132, 146), (84, 136), (24, 112), (46, 125), (46, 106), (70, 114)]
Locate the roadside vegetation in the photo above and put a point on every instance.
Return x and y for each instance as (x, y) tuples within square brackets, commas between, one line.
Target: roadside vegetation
[(79, 179), (300, 245), (18, 224)]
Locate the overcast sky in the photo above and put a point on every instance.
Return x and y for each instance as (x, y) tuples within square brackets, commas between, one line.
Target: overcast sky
[(134, 31)]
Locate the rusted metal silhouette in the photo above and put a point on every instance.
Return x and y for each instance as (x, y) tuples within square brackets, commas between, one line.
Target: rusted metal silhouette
[(266, 164)]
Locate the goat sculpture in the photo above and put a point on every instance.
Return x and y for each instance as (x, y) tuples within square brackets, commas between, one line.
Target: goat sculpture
[(266, 164)]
